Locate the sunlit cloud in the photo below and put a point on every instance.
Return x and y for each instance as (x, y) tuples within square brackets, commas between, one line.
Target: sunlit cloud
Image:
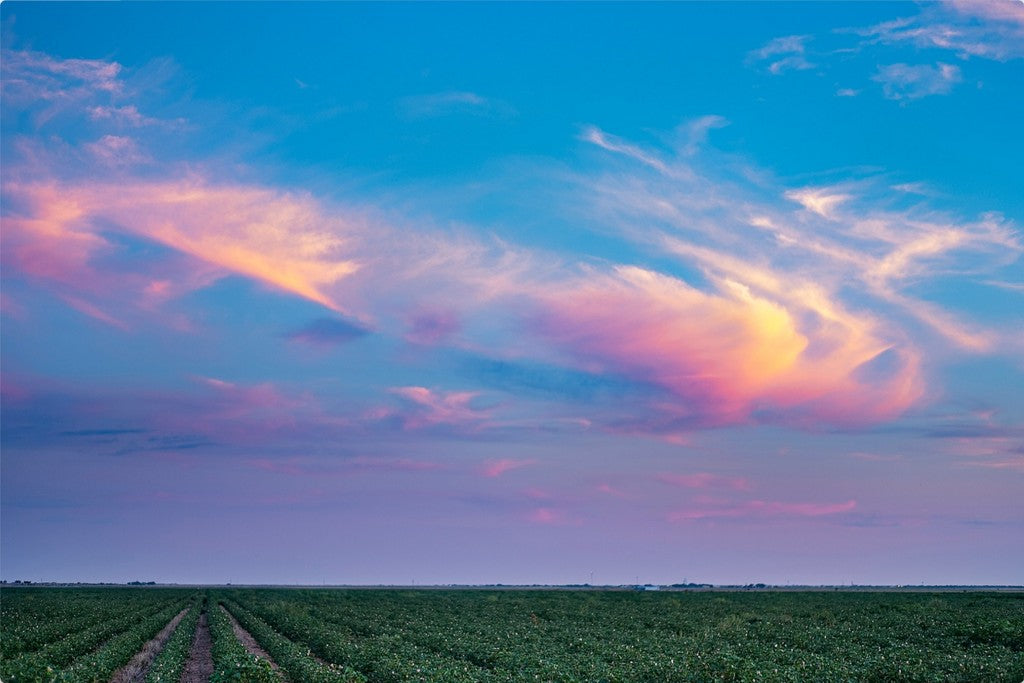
[(792, 260), (278, 238), (770, 330), (821, 201)]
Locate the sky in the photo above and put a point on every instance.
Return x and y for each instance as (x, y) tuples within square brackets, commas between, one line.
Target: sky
[(513, 293)]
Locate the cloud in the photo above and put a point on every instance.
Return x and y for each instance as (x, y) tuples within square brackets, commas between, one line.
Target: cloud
[(430, 408), (283, 239), (799, 264), (128, 115), (30, 75), (696, 132), (452, 102), (550, 516), (747, 318), (328, 332), (722, 356), (432, 327), (116, 150), (761, 509), (821, 201), (705, 480), (993, 29), (784, 54), (911, 82), (496, 468)]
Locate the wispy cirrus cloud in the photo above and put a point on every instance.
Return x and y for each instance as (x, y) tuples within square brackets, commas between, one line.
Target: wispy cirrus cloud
[(914, 81), (279, 238), (779, 304), (993, 29), (453, 102), (964, 29), (756, 510), (787, 53)]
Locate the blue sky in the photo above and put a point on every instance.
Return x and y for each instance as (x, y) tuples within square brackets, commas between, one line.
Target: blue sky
[(375, 293)]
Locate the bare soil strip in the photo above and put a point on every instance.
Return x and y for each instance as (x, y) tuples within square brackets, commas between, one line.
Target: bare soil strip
[(246, 639), (135, 670), (199, 667)]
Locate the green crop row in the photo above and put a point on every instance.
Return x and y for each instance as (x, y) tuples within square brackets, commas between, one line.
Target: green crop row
[(391, 635), (99, 666), (83, 656), (33, 618), (451, 636), (296, 660), (231, 661), (170, 662)]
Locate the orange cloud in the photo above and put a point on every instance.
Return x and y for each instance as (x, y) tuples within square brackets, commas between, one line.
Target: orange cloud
[(285, 240), (724, 355)]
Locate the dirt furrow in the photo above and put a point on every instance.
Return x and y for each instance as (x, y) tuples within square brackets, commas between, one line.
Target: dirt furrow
[(135, 670), (199, 667), (246, 639)]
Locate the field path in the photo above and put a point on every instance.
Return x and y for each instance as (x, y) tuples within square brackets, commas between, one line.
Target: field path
[(246, 639), (135, 670), (200, 659)]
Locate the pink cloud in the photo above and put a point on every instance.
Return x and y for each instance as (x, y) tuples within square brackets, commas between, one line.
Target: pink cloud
[(242, 413), (36, 75), (549, 516), (723, 355), (431, 408), (705, 480), (432, 327), (127, 115), (760, 509), (284, 240), (610, 490), (95, 312), (496, 468), (116, 150)]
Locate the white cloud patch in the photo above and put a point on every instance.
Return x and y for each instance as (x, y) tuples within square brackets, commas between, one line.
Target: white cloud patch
[(787, 53), (990, 29), (911, 82), (453, 102), (116, 150)]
